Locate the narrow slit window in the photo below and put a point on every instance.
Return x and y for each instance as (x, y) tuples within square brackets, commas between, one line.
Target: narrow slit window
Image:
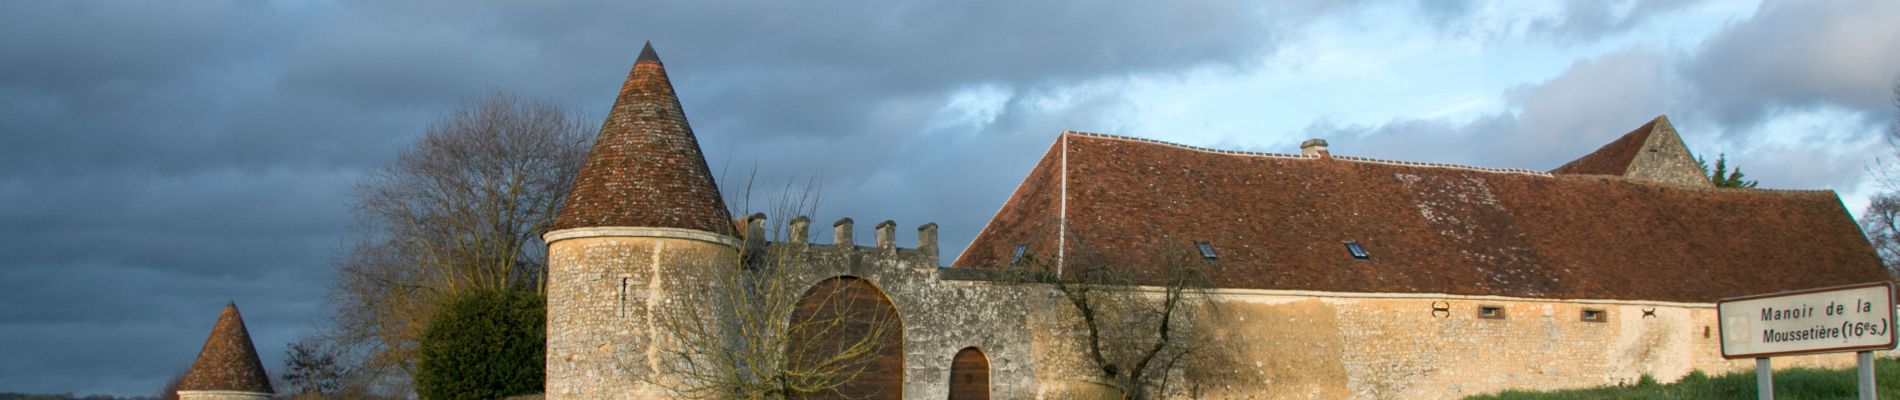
[(1207, 250), (622, 309), (1358, 252), (1020, 249), (1491, 312), (1595, 315)]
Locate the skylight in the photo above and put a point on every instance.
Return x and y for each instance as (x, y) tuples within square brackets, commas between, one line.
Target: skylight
[(1358, 252), (1020, 249), (1207, 250)]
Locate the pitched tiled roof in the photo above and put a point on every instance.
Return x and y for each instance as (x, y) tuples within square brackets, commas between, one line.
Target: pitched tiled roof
[(228, 361), (1281, 221), (645, 169), (1614, 158)]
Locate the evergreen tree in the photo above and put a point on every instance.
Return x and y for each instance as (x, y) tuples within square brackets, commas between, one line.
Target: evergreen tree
[(1722, 177)]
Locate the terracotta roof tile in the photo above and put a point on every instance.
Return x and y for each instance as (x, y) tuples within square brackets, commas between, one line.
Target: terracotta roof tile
[(228, 361), (645, 169), (1614, 158), (1280, 222)]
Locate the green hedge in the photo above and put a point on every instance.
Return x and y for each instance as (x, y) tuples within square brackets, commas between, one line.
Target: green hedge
[(483, 345)]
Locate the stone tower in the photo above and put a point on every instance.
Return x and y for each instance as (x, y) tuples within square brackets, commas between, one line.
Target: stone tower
[(641, 228), (227, 368)]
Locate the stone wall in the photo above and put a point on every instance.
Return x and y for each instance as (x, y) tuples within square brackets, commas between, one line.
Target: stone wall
[(221, 395), (602, 291), (1378, 346), (1280, 344), (940, 316), (1664, 158)]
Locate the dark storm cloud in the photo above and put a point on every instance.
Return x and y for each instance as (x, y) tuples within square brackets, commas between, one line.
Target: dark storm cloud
[(1798, 56), (161, 159), (1588, 20), (1575, 22), (1588, 105), (1787, 58)]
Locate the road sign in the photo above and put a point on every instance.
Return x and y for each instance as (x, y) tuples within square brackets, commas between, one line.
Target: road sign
[(1826, 320)]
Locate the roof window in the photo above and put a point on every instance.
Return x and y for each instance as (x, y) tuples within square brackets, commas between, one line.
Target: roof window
[(1358, 252), (1020, 249), (1207, 250)]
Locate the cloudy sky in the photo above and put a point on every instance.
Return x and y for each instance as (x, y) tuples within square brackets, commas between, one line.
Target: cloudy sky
[(160, 158)]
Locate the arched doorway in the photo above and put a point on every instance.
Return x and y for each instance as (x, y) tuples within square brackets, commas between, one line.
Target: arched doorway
[(970, 375), (847, 326)]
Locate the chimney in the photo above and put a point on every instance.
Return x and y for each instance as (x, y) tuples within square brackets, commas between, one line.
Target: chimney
[(887, 235), (801, 230), (755, 230), (841, 234), (927, 239), (1314, 147)]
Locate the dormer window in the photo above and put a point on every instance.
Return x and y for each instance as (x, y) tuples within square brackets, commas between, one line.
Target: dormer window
[(1020, 249), (1207, 250), (1358, 251)]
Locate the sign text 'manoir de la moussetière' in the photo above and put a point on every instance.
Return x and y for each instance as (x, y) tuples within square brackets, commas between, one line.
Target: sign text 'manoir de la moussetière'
[(1843, 318)]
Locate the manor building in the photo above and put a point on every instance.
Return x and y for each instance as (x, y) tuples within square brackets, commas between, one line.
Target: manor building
[(1341, 277)]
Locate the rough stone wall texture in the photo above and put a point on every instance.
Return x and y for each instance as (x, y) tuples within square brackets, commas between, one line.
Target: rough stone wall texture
[(221, 395), (1321, 347), (1284, 344), (940, 316), (602, 292), (1665, 159)]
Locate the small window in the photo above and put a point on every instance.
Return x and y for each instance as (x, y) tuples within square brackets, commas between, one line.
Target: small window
[(1020, 249), (1491, 312), (1358, 252), (1595, 315), (1207, 250)]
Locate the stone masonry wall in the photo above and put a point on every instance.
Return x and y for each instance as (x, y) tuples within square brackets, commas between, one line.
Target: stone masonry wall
[(220, 395), (940, 317), (601, 291), (1664, 158), (1327, 346), (1282, 344)]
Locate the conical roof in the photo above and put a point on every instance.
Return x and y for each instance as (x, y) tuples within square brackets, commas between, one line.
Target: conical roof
[(228, 361), (645, 169)]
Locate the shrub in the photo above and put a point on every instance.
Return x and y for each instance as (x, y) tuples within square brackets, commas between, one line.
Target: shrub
[(483, 344)]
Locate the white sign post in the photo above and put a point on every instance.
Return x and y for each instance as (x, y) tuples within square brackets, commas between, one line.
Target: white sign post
[(1855, 318)]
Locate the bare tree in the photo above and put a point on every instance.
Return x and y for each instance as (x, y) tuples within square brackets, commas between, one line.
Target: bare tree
[(461, 209), (765, 331), (1881, 223), (313, 369), (1145, 321), (170, 391), (1881, 220)]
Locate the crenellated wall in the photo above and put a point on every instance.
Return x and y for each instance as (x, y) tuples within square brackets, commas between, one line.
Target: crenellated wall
[(1279, 344), (940, 316)]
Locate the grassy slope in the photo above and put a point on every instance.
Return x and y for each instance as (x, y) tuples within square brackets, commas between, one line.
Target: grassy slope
[(1790, 384)]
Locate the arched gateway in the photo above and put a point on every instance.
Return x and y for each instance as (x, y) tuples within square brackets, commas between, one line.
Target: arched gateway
[(970, 375), (845, 316)]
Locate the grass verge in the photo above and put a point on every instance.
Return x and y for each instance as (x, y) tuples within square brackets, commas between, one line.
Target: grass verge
[(1790, 384)]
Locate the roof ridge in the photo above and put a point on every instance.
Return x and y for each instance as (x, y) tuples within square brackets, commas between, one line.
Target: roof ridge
[(1614, 178), (1191, 147), (1307, 157)]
